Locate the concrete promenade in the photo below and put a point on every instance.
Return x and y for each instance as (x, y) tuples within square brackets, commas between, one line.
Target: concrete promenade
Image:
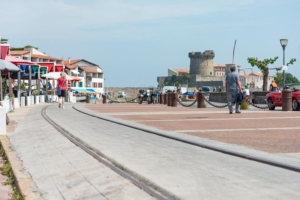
[(51, 167)]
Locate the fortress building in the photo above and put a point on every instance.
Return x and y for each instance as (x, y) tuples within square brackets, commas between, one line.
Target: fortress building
[(202, 63), (202, 72)]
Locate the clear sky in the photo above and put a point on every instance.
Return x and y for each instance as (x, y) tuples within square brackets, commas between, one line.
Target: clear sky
[(134, 41)]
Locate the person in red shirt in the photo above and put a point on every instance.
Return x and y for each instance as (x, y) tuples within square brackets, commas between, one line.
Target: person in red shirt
[(61, 89)]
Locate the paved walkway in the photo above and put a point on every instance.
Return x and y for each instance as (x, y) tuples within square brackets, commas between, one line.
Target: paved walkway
[(57, 169), (48, 166)]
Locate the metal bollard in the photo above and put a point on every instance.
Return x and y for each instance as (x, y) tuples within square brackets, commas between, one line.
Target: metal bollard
[(160, 99), (104, 99), (87, 99), (174, 99), (166, 98), (169, 99), (200, 103), (286, 100)]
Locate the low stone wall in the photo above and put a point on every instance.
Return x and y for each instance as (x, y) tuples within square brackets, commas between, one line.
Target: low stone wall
[(219, 97), (257, 97), (131, 92)]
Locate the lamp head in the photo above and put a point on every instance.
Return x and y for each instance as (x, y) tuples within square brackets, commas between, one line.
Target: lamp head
[(283, 42)]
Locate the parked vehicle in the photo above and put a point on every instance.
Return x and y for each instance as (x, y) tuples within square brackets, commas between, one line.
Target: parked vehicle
[(121, 94), (144, 96), (167, 89), (207, 89), (275, 97)]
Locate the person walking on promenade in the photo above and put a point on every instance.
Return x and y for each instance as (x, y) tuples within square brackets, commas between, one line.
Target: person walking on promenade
[(195, 92), (220, 89), (61, 89), (232, 86)]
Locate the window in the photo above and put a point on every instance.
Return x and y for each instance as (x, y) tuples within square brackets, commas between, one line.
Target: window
[(99, 85), (80, 84), (210, 73), (94, 85)]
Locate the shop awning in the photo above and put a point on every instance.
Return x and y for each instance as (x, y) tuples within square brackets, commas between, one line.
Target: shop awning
[(80, 90), (74, 78), (58, 68), (91, 90), (48, 65), (18, 61)]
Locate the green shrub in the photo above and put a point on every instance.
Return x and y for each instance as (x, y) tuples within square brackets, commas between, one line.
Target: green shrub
[(244, 106)]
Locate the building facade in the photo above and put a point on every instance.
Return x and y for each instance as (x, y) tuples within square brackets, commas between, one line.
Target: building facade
[(206, 73)]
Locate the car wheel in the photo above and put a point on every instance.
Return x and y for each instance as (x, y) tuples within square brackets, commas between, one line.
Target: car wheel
[(295, 105), (270, 102)]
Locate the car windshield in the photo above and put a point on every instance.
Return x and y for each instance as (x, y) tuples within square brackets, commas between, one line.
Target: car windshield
[(295, 87)]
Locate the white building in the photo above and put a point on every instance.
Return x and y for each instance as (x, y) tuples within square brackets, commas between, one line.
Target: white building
[(254, 80), (91, 74)]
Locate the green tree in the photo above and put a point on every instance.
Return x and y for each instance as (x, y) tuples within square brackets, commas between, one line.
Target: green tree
[(289, 78), (263, 66), (185, 77), (29, 46)]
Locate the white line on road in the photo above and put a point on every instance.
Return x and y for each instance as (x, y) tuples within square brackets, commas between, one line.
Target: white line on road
[(240, 129)]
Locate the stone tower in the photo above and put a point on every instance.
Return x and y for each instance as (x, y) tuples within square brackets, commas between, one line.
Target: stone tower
[(202, 63)]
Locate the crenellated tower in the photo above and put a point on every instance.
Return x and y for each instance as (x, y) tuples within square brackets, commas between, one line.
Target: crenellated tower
[(202, 63)]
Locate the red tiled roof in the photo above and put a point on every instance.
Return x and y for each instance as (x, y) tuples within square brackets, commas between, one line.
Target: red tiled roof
[(66, 62), (77, 60), (70, 66), (91, 71), (218, 65), (255, 74), (181, 70), (44, 57), (21, 52)]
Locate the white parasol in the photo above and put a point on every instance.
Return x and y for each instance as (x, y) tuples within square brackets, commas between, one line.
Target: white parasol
[(55, 76)]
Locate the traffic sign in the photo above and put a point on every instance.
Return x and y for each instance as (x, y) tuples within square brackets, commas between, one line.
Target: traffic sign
[(284, 67)]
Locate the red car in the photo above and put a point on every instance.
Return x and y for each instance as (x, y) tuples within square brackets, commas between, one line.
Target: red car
[(273, 97)]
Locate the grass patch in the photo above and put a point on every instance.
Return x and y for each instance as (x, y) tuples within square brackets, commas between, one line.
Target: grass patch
[(7, 171)]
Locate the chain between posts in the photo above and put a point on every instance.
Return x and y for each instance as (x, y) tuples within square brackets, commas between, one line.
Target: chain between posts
[(126, 101), (265, 107), (179, 101), (210, 103)]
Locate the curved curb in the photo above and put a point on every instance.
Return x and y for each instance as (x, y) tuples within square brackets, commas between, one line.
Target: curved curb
[(113, 162), (290, 167), (24, 182)]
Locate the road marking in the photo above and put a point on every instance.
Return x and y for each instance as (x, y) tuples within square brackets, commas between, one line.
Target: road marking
[(214, 119), (240, 129), (182, 112)]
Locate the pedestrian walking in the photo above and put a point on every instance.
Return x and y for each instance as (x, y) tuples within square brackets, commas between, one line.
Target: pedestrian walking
[(220, 89), (195, 92), (61, 89), (233, 87)]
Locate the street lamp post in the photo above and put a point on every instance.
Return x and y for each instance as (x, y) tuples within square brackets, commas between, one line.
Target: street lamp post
[(283, 43)]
